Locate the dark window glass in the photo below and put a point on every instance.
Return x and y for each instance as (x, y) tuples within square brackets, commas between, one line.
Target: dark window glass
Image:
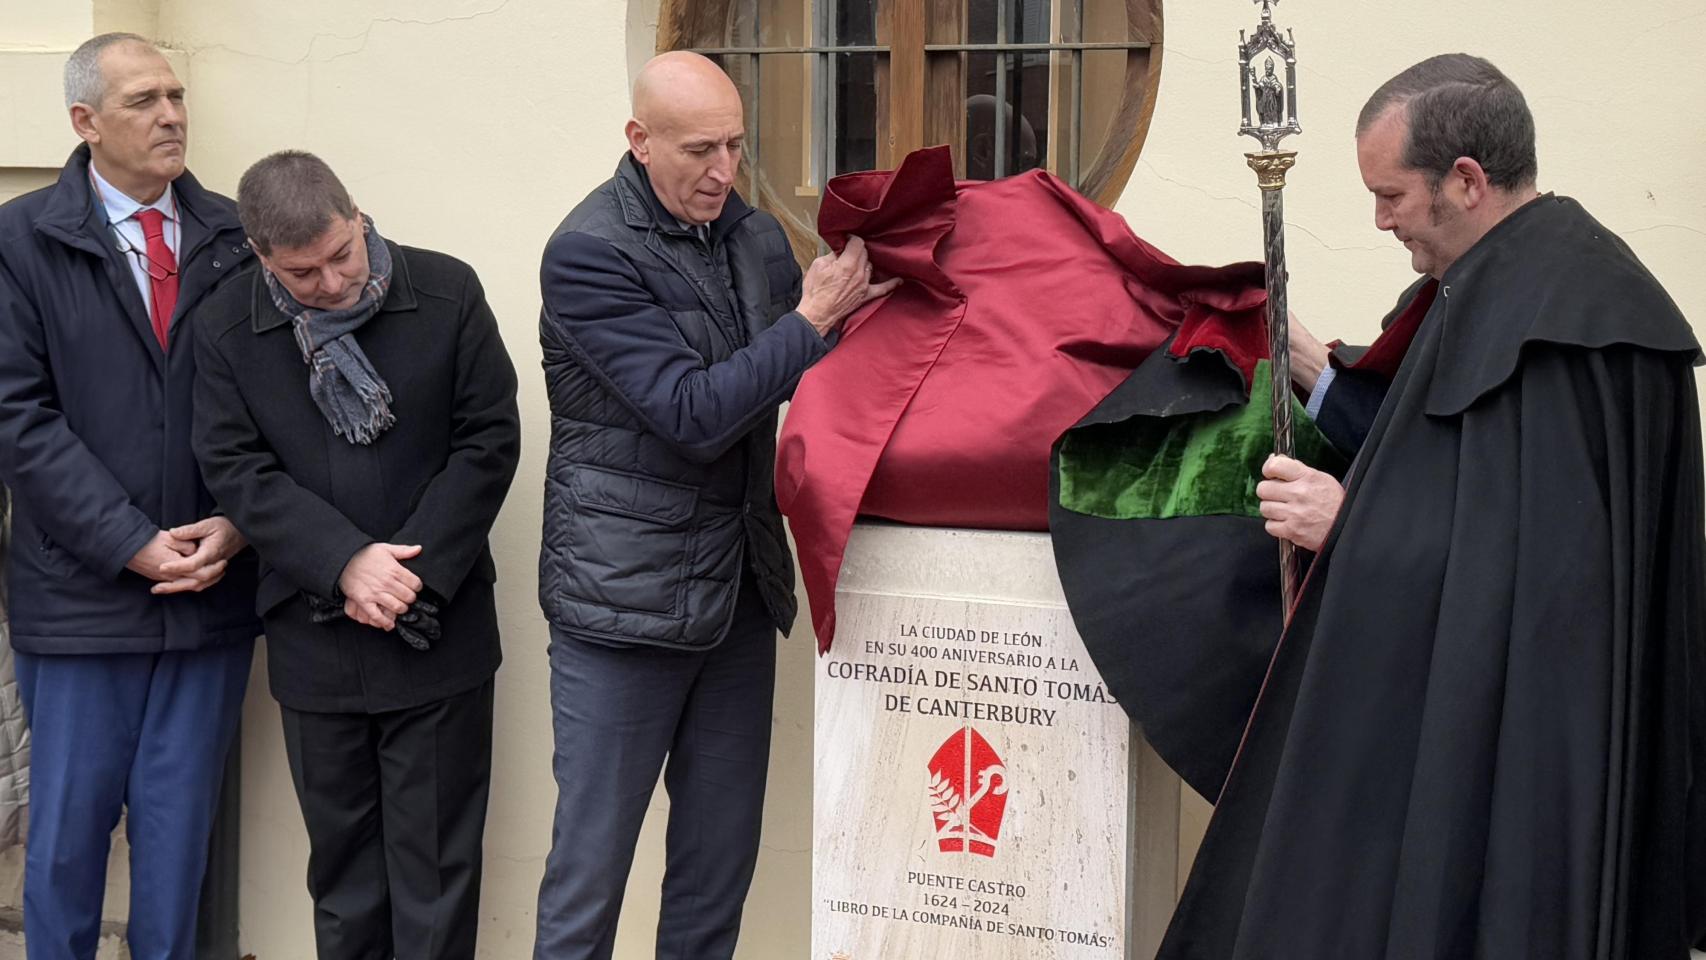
[(1021, 124), (982, 19), (855, 22), (855, 112), (980, 148), (1028, 21), (1027, 99)]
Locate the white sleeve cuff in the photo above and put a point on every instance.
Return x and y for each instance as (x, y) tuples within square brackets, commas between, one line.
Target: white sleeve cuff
[(1319, 394)]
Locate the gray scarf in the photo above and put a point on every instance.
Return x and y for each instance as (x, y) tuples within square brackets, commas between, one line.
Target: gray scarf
[(349, 392)]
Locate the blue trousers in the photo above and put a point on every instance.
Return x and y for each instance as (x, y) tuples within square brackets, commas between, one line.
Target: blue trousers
[(618, 713), (111, 732)]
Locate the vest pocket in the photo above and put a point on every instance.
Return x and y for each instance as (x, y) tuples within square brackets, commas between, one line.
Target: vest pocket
[(627, 540)]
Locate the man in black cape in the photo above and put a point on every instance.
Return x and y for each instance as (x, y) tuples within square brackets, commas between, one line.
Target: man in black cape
[(1478, 735)]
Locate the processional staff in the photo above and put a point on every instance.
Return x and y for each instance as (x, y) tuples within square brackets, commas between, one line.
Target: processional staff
[(1275, 107)]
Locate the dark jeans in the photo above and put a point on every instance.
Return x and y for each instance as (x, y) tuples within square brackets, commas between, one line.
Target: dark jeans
[(395, 805), (618, 714)]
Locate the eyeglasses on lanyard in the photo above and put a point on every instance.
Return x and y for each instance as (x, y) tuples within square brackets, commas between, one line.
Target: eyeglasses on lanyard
[(158, 272)]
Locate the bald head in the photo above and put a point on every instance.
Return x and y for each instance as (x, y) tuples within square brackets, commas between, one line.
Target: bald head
[(679, 83), (687, 131)]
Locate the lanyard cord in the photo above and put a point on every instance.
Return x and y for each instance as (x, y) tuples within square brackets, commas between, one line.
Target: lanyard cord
[(150, 267)]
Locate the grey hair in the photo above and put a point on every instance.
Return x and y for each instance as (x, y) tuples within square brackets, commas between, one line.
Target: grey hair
[(84, 82), (288, 199), (1460, 106)]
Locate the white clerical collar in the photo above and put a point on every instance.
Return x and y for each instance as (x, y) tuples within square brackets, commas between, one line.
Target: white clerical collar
[(121, 207)]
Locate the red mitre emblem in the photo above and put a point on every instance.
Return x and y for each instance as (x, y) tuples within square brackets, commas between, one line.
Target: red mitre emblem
[(968, 794)]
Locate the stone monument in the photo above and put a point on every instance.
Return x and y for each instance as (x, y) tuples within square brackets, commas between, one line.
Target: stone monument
[(978, 793)]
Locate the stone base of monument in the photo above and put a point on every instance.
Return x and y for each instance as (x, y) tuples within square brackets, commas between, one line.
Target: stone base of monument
[(977, 792)]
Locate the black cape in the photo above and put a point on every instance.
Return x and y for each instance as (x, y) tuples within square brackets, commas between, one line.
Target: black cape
[(1478, 735), (1180, 613)]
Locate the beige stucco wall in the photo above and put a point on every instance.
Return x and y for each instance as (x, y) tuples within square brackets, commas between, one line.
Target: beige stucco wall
[(18, 181), (36, 37), (1614, 89), (473, 125)]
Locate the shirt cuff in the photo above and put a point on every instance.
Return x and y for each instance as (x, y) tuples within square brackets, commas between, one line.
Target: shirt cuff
[(1319, 394)]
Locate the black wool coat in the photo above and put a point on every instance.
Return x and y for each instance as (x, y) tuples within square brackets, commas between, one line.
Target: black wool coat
[(308, 499)]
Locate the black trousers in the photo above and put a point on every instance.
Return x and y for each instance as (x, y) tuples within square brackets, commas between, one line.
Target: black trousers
[(621, 715), (395, 805)]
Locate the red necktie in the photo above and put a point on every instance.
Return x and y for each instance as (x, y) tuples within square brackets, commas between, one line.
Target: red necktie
[(162, 272)]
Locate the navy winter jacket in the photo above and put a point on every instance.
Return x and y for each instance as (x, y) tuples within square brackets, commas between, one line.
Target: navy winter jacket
[(95, 425), (666, 356)]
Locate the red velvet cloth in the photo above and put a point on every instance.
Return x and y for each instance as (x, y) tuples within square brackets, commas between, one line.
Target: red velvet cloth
[(1024, 305)]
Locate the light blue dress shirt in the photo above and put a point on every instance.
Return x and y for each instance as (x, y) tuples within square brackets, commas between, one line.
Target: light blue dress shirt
[(121, 215)]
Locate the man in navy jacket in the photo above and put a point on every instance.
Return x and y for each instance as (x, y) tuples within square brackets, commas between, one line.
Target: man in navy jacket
[(132, 600), (675, 321)]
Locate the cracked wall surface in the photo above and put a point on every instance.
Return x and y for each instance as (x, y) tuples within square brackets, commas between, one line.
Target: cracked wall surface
[(472, 126)]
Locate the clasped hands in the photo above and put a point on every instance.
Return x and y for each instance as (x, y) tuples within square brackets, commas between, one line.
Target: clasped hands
[(380, 592), (190, 558)]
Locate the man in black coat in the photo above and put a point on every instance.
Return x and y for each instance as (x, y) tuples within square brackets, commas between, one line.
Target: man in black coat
[(355, 415), (131, 598), (675, 321), (1482, 731)]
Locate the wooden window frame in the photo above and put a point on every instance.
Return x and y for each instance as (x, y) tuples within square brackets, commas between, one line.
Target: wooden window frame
[(921, 83)]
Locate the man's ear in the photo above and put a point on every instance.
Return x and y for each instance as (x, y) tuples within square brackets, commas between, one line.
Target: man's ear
[(639, 141), (83, 122), (1472, 180)]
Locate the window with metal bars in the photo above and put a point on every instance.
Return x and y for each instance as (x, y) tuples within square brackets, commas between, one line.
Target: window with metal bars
[(836, 86)]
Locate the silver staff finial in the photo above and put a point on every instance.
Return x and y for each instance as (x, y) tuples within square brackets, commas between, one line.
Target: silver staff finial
[(1274, 102)]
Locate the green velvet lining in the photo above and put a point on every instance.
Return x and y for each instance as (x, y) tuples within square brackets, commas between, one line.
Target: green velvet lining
[(1190, 466)]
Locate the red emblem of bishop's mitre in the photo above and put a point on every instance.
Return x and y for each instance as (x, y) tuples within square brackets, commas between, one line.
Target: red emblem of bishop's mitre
[(968, 794)]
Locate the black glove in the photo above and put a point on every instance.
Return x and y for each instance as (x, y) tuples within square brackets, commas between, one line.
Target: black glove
[(418, 626), (321, 610)]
